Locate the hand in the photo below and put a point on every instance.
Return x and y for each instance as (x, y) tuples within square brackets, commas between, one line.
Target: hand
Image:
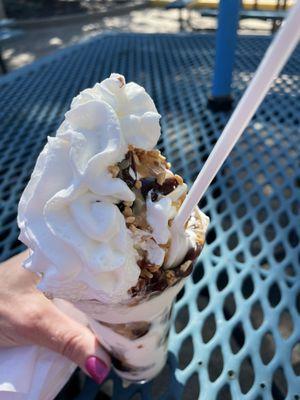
[(28, 317)]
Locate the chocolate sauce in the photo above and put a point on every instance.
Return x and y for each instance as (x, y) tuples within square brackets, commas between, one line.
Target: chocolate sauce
[(131, 330), (193, 252), (168, 186), (120, 363), (147, 185), (159, 282), (125, 166), (150, 184)]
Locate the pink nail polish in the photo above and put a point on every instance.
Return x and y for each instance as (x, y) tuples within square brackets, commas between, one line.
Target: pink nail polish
[(96, 368)]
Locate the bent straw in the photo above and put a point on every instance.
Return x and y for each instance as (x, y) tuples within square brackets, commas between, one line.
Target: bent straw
[(276, 56)]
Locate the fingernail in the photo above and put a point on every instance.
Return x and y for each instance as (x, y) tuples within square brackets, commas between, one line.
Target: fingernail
[(96, 368)]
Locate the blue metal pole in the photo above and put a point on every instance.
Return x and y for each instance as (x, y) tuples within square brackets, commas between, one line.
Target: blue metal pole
[(226, 39)]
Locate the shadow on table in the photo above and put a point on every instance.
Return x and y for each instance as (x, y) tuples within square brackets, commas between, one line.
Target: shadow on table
[(164, 387)]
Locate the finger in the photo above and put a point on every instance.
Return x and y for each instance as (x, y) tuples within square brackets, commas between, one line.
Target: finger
[(56, 331)]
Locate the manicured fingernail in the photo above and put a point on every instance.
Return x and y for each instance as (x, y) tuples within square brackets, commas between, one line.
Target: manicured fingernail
[(96, 368)]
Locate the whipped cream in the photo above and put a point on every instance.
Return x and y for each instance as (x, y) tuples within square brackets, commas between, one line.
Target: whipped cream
[(160, 212), (68, 215), (183, 240)]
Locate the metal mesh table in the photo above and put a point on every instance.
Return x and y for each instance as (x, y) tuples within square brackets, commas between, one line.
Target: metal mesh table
[(236, 332)]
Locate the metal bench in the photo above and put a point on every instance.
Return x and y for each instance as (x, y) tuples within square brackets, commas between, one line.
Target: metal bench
[(254, 14), (180, 5), (276, 15), (236, 331)]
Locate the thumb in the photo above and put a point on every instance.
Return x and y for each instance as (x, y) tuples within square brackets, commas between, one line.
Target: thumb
[(58, 332)]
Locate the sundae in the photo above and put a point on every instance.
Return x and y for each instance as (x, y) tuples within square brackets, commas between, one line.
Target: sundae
[(97, 215)]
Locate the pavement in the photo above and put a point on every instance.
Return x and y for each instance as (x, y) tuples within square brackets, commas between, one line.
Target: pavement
[(43, 40)]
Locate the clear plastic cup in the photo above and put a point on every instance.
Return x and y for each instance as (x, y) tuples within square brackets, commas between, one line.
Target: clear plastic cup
[(136, 336)]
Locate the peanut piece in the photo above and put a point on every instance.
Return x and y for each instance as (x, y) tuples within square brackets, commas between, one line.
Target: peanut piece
[(185, 265), (138, 184), (127, 212), (179, 179), (130, 220)]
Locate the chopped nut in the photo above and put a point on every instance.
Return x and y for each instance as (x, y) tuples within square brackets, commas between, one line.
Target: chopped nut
[(130, 220), (147, 274), (169, 165), (136, 159), (200, 238), (127, 212), (154, 153), (161, 178), (163, 158), (169, 273), (170, 276), (185, 265), (138, 184), (114, 170), (179, 179), (128, 203), (153, 268), (140, 152)]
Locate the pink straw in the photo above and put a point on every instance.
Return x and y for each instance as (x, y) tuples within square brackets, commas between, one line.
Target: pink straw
[(275, 58)]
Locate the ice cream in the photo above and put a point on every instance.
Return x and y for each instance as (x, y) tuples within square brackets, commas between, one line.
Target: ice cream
[(97, 215)]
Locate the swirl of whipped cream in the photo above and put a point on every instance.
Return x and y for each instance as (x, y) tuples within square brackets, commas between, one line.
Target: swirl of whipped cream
[(67, 214), (135, 109)]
